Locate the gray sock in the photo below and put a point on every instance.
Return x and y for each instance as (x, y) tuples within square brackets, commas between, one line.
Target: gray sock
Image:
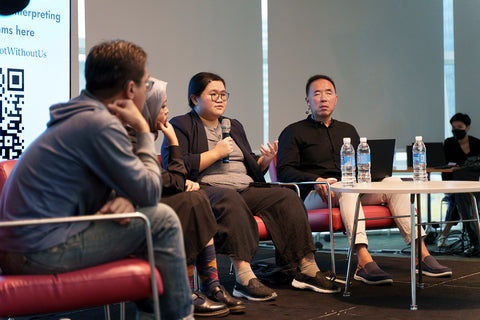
[(309, 268), (243, 275)]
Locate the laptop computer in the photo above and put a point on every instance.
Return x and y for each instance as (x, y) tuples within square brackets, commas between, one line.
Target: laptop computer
[(435, 155), (382, 152)]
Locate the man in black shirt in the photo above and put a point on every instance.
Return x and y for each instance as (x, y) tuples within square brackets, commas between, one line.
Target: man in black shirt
[(309, 150)]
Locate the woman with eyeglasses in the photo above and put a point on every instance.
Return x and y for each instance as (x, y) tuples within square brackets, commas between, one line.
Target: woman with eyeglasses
[(232, 187), (193, 209)]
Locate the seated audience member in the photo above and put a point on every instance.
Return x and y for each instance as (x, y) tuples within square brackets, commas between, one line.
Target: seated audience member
[(235, 200), (457, 149), (83, 156), (193, 209), (309, 150)]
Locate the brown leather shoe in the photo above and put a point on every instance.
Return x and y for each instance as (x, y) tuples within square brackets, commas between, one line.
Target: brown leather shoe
[(204, 307)]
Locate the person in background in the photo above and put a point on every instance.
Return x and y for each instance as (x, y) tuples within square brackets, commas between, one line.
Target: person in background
[(73, 167), (236, 199), (309, 150), (457, 150), (193, 209)]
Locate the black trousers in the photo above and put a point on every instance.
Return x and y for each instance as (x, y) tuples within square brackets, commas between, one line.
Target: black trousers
[(197, 219), (460, 205), (280, 208)]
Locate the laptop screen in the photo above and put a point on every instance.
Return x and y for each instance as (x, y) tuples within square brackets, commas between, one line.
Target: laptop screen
[(435, 155), (382, 152)]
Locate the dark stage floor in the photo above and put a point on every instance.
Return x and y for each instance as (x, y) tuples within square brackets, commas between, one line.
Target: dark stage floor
[(441, 298)]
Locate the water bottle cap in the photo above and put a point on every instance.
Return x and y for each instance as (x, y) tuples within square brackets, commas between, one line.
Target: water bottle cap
[(418, 138), (363, 139), (346, 140)]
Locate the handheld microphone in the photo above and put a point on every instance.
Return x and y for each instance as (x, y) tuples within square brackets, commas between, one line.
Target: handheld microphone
[(225, 133)]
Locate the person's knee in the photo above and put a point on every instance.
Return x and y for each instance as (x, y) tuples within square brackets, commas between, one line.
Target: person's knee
[(198, 197), (169, 215), (162, 214), (392, 179), (230, 198), (228, 193), (288, 193)]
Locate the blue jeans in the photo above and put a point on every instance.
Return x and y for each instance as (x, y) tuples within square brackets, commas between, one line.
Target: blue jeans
[(107, 241)]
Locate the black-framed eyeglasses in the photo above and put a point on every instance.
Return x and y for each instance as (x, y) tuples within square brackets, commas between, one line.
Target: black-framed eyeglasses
[(224, 96)]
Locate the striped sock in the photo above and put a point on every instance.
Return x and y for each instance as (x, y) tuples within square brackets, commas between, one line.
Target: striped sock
[(207, 268)]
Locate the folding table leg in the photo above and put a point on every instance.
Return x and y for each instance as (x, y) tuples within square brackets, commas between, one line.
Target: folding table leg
[(413, 279), (346, 293), (419, 239), (475, 209)]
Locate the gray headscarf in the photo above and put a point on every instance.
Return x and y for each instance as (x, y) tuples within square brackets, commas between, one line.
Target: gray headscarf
[(154, 102)]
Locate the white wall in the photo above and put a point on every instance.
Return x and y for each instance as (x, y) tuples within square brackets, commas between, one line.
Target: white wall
[(386, 57), (185, 37)]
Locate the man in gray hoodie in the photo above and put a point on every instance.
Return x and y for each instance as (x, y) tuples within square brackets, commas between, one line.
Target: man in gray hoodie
[(73, 168)]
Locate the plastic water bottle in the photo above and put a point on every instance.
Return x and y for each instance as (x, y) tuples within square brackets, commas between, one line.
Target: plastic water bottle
[(419, 157), (347, 158), (363, 161)]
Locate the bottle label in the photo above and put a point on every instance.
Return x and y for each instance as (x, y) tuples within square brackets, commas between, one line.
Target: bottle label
[(363, 158), (348, 161), (419, 158)]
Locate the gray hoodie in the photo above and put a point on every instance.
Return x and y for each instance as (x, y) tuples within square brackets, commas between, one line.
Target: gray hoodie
[(71, 169)]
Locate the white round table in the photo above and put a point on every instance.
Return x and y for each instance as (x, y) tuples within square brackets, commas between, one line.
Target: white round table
[(413, 189)]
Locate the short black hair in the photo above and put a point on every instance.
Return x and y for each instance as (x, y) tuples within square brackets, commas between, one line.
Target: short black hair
[(199, 82), (317, 77), (462, 117)]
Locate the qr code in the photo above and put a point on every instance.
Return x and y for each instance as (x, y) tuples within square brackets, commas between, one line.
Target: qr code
[(12, 99)]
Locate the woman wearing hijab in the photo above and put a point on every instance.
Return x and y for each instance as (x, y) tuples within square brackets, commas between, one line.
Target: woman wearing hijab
[(193, 209)]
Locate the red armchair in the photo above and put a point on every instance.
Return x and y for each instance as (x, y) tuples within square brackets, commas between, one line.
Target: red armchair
[(116, 282)]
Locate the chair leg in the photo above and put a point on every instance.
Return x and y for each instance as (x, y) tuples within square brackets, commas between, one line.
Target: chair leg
[(122, 310), (196, 280), (106, 310)]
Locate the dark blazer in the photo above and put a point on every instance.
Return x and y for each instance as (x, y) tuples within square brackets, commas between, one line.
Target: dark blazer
[(193, 141)]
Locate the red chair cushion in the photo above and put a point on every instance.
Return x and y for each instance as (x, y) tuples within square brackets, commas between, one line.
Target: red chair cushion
[(319, 220), (123, 280), (5, 168), (262, 230)]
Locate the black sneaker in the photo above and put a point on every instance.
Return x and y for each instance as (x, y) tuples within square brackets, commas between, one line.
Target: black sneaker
[(371, 273), (255, 291), (319, 283)]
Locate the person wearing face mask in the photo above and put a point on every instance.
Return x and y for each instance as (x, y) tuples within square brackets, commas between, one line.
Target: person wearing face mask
[(457, 149), (461, 146)]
